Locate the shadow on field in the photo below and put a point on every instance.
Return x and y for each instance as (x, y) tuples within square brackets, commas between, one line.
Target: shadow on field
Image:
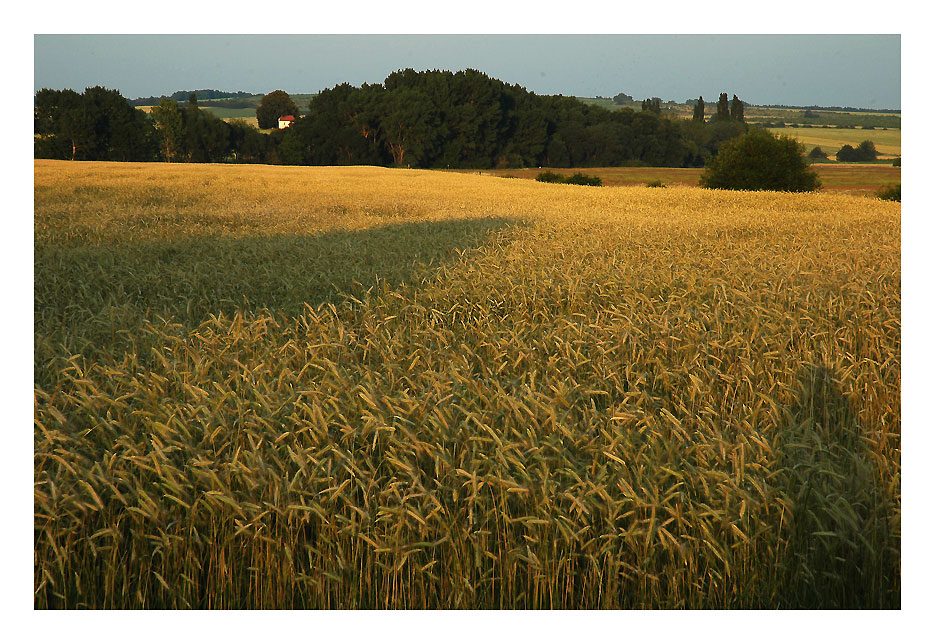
[(84, 295), (841, 553)]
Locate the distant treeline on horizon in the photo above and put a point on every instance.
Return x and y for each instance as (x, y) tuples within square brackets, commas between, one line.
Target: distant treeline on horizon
[(429, 119), (182, 96), (832, 108)]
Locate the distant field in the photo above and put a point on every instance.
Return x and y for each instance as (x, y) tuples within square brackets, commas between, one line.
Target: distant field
[(824, 117), (231, 113), (888, 142), (842, 178), (759, 114), (239, 113), (223, 113), (220, 112), (248, 120)]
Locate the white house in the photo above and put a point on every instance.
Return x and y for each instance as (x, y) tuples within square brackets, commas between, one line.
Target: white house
[(285, 121)]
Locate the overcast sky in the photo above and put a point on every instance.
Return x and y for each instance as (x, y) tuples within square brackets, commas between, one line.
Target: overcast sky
[(846, 70)]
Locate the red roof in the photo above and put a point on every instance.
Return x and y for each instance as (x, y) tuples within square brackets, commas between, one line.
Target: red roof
[(287, 118)]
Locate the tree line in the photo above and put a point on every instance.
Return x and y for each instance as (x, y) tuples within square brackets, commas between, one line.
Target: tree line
[(429, 119), (101, 125), (183, 95)]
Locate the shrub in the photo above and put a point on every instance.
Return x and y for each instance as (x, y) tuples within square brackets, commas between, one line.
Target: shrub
[(890, 192), (817, 153), (578, 179), (760, 160), (550, 177), (656, 183), (897, 162)]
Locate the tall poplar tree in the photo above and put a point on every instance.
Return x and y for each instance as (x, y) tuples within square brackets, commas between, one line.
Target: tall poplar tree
[(723, 108), (736, 109), (698, 115)]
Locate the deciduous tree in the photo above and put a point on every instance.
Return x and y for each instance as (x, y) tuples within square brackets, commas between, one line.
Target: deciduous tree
[(867, 151), (275, 104), (760, 160), (169, 124)]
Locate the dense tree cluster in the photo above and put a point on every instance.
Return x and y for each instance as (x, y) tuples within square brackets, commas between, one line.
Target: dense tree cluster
[(866, 151), (467, 120), (728, 110), (98, 125), (191, 134), (653, 105), (431, 119)]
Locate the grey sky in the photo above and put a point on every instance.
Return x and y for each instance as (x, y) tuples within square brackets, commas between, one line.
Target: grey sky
[(846, 70)]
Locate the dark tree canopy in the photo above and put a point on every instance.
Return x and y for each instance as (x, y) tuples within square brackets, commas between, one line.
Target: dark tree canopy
[(429, 119), (170, 129), (866, 151), (207, 138), (653, 105), (98, 125), (440, 119), (846, 153), (275, 104), (760, 160)]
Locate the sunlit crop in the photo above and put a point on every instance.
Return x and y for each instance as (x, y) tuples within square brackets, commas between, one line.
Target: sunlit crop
[(271, 387)]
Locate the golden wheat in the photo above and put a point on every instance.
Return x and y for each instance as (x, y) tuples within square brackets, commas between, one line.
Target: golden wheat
[(265, 387)]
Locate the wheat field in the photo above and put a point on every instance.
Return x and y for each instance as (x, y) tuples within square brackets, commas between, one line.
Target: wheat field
[(274, 387), (887, 142)]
